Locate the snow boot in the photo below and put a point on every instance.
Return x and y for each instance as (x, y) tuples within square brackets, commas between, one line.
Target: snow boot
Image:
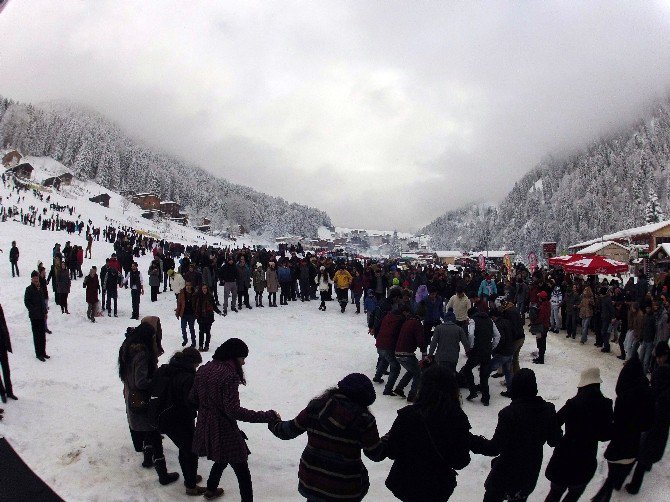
[(211, 495), (411, 397), (196, 492), (399, 392), (605, 492), (165, 477), (148, 452)]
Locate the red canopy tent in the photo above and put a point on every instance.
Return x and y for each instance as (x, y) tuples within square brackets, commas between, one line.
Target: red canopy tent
[(559, 261), (593, 265)]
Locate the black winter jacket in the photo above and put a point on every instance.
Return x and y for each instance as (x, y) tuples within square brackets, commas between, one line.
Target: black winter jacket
[(34, 302)]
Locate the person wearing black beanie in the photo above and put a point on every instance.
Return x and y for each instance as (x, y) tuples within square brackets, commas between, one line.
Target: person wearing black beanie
[(338, 425)]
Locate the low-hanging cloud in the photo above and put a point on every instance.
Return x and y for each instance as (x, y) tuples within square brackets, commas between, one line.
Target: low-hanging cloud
[(383, 114)]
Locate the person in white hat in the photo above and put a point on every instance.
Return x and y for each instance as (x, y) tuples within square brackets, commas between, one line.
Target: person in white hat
[(587, 418)]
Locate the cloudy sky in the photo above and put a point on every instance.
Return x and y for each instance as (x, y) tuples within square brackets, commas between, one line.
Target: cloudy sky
[(384, 114)]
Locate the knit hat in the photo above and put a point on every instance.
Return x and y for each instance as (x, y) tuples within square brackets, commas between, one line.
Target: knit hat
[(231, 349), (396, 281), (259, 264), (322, 268), (524, 384), (589, 376), (542, 294), (358, 388)]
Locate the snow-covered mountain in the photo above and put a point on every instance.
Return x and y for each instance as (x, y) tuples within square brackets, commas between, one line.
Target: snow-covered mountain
[(617, 182), (95, 148)]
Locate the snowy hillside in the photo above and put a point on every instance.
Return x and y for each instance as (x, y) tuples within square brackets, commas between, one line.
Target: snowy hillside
[(618, 182), (96, 149), (69, 423)]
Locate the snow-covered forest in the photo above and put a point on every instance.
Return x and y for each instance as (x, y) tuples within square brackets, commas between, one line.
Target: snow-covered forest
[(95, 148), (618, 182)]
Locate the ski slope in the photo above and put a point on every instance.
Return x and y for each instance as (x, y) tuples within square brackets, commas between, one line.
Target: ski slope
[(70, 426)]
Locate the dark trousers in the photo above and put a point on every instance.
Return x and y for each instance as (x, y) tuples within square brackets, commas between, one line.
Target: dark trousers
[(272, 299), (324, 295), (154, 441), (243, 479), (39, 336), (62, 300), (188, 320), (135, 298), (15, 267), (483, 361), (204, 332), (165, 283), (285, 292), (6, 377), (182, 437), (428, 330), (109, 304), (154, 293), (304, 291), (541, 346), (557, 491), (242, 297), (571, 323)]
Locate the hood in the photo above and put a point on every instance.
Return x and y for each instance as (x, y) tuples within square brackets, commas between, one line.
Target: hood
[(631, 376)]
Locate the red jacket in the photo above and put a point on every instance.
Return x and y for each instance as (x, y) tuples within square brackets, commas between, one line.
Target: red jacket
[(544, 314), (410, 338), (114, 263), (389, 330)]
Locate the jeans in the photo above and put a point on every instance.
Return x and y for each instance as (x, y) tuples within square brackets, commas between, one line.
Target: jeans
[(481, 360), (585, 328), (387, 356), (109, 304), (555, 319), (243, 479), (411, 364), (504, 362), (188, 319), (229, 288), (605, 333), (645, 353), (571, 323), (15, 267), (182, 436)]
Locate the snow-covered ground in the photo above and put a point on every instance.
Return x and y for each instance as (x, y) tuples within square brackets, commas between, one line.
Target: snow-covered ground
[(69, 424)]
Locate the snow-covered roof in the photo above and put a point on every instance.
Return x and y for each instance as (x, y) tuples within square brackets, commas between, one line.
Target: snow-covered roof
[(625, 234), (665, 247), (448, 254), (168, 202), (594, 248), (493, 254)]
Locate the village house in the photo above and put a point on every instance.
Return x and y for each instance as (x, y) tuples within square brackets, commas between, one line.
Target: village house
[(102, 199), (170, 208), (147, 201), (650, 236), (66, 179), (54, 182), (11, 158)]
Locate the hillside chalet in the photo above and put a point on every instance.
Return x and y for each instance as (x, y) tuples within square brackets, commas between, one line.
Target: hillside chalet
[(170, 208), (102, 199), (66, 179), (147, 201), (650, 236), (11, 158), (24, 170), (54, 182)]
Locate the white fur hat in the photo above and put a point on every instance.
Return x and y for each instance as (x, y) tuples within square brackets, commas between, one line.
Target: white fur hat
[(590, 376)]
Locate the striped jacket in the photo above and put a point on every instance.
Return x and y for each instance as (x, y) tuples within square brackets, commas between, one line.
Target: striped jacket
[(337, 429)]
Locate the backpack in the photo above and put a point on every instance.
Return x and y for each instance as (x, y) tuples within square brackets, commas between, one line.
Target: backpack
[(161, 395)]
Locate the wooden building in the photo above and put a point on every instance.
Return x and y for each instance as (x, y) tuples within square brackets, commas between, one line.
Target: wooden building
[(608, 249), (102, 199), (11, 158), (147, 201), (66, 179), (170, 208), (54, 182), (24, 170), (650, 236)]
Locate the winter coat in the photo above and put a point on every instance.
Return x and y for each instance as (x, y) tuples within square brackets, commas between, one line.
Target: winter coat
[(182, 298), (556, 297), (649, 327), (513, 316), (323, 282), (445, 342), (655, 439), (389, 329), (216, 394), (5, 341), (34, 302), (588, 420), (208, 277), (259, 279), (111, 282), (137, 378), (92, 285), (431, 309), (14, 254), (272, 280), (586, 304), (177, 282), (284, 275), (426, 453), (204, 307), (410, 337), (460, 306), (331, 469), (342, 279), (243, 276), (635, 323), (357, 285), (62, 283), (607, 312), (176, 380), (487, 289), (483, 339), (661, 326), (523, 428), (155, 278), (505, 346), (633, 412)]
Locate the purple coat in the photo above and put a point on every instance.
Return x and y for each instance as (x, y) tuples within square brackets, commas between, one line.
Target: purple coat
[(216, 393)]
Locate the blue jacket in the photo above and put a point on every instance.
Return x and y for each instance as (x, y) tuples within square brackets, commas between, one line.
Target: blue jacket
[(433, 309), (370, 303), (284, 274)]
